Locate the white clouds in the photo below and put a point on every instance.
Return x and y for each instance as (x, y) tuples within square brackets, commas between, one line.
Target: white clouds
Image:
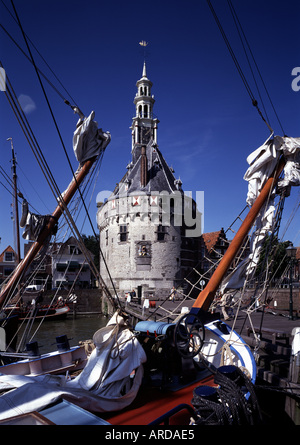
[(26, 103)]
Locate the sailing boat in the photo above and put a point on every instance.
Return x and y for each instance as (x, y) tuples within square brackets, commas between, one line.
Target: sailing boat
[(208, 358), (95, 142), (192, 370), (56, 311)]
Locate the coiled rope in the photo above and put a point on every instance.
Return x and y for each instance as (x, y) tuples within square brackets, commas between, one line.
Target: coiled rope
[(230, 407)]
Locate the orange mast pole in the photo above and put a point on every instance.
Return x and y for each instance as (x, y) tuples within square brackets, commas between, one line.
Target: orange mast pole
[(36, 246), (207, 295)]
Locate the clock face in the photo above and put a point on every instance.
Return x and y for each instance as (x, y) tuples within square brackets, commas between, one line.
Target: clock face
[(146, 133)]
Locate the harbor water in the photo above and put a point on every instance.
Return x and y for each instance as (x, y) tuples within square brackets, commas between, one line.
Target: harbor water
[(79, 329)]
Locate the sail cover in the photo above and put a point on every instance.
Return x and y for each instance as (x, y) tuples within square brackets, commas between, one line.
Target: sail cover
[(110, 380), (31, 223), (88, 140), (264, 159), (262, 163)]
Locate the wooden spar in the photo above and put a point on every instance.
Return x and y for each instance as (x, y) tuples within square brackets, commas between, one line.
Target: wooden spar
[(37, 245), (14, 172), (207, 295)]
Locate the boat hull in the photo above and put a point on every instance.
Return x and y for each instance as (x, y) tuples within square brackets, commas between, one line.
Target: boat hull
[(56, 362), (49, 313), (223, 346), (46, 313)]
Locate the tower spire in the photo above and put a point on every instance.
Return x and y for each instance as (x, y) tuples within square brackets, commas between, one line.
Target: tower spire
[(144, 125), (144, 75)]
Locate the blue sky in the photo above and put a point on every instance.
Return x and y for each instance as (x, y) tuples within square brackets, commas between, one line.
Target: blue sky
[(208, 125)]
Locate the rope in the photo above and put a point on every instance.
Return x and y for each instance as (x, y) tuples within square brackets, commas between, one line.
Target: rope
[(230, 406), (49, 106), (64, 148), (237, 65), (28, 58), (28, 133), (239, 26), (42, 86), (49, 177)]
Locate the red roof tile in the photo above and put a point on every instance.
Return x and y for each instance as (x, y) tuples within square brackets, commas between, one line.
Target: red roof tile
[(210, 239)]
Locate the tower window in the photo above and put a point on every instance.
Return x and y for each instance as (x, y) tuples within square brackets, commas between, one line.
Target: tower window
[(161, 232), (123, 233)]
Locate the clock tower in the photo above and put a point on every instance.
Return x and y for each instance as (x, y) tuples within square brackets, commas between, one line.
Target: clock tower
[(144, 125), (142, 225)]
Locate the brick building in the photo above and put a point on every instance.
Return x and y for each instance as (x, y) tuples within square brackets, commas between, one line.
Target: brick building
[(8, 262)]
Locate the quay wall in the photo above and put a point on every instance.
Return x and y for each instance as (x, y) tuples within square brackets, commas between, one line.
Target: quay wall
[(280, 298), (90, 300)]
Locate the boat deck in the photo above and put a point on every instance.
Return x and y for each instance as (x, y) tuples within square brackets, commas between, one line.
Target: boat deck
[(151, 403), (280, 322)]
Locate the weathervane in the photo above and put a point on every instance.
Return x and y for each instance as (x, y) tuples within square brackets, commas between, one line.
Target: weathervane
[(144, 44)]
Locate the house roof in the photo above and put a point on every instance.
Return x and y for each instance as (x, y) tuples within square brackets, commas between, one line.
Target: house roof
[(210, 239), (8, 249), (160, 175)]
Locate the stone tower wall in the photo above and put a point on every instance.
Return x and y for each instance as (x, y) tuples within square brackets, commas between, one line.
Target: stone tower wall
[(146, 258)]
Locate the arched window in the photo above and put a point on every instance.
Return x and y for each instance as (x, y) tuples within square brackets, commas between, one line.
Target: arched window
[(145, 110)]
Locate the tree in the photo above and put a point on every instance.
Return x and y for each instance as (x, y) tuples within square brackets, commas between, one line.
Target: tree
[(273, 254), (92, 243)]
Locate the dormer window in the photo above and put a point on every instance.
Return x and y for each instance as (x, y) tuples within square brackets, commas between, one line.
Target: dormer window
[(9, 256), (74, 250)]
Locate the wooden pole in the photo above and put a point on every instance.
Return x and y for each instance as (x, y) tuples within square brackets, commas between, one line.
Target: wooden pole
[(37, 245), (207, 295), (14, 176)]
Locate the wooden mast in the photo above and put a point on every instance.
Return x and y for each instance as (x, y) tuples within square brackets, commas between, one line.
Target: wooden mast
[(37, 245), (14, 176), (207, 295)]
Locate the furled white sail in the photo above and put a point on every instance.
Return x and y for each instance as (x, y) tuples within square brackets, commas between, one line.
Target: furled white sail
[(262, 163), (88, 139), (109, 382)]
